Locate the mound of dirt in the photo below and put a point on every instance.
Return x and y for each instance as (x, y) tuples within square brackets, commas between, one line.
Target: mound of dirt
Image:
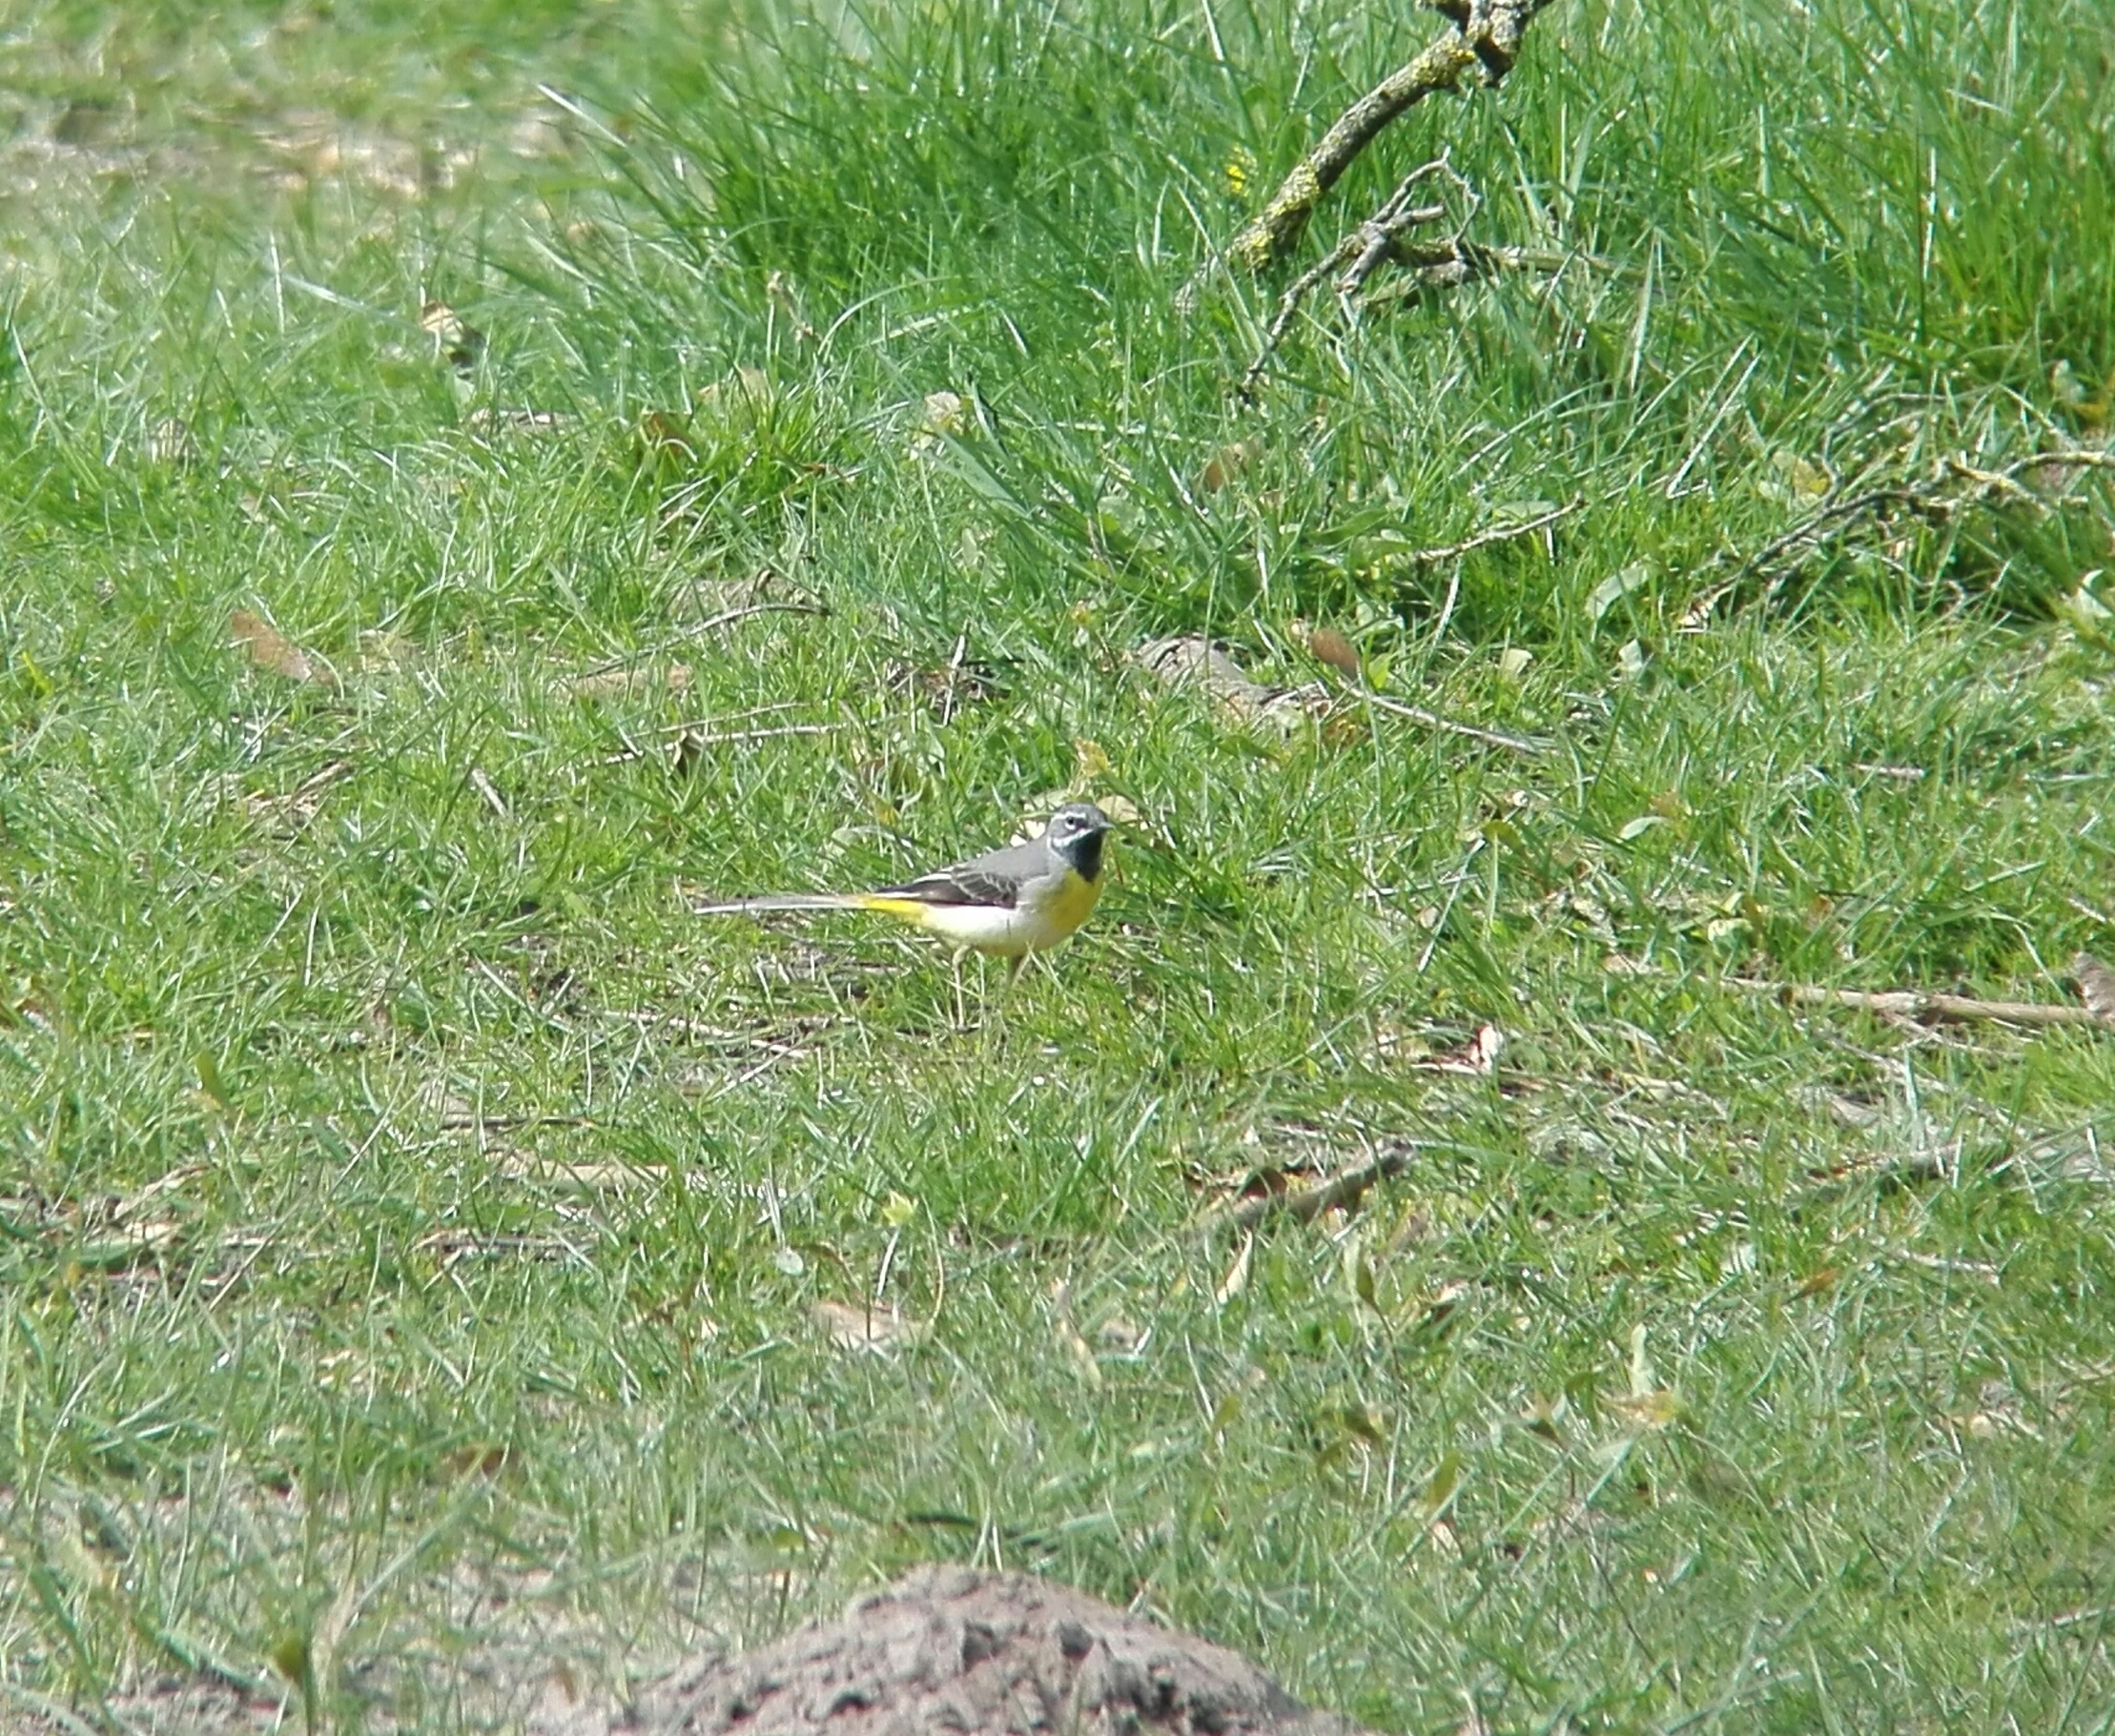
[(951, 1652)]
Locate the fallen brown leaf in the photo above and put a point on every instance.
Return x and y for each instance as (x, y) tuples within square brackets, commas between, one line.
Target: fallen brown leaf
[(662, 435), (1325, 644), (272, 651), (479, 1459), (1477, 1057)]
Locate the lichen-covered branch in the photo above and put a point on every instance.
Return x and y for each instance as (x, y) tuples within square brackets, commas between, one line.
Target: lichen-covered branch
[(1484, 37)]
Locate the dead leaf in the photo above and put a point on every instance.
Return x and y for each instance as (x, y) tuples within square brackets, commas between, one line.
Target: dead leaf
[(942, 417), (1648, 1405), (1090, 761), (456, 341), (272, 651), (1799, 478), (873, 1331), (1477, 1058), (1082, 1353), (1616, 586), (1227, 463), (2096, 985), (1325, 644), (1649, 1412), (1545, 1415)]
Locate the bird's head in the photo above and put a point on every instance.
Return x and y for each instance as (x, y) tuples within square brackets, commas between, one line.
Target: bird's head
[(1075, 836)]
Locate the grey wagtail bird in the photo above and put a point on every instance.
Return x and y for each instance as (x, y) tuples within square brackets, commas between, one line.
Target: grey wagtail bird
[(1009, 902)]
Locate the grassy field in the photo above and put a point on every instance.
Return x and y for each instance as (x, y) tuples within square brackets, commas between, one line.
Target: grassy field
[(435, 1267)]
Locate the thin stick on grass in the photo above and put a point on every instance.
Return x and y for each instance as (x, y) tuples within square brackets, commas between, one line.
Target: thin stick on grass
[(1304, 1205), (691, 739), (726, 619), (1952, 486), (1921, 1004), (1521, 744), (1484, 538)]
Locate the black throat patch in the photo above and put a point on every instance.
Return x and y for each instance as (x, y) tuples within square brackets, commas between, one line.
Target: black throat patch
[(1084, 853)]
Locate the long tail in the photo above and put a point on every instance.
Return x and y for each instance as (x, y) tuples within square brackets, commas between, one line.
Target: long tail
[(781, 901)]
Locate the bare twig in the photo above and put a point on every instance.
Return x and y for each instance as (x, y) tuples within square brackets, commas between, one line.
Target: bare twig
[(1921, 1004), (1430, 265), (1485, 37), (728, 617), (1484, 538), (693, 738), (1951, 487), (698, 735), (1359, 255), (1431, 720), (1307, 1204), (495, 1124), (1386, 238)]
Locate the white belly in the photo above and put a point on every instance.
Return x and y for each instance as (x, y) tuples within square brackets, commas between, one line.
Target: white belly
[(1009, 933)]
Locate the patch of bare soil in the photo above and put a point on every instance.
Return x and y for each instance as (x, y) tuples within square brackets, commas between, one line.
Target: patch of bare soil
[(951, 1652)]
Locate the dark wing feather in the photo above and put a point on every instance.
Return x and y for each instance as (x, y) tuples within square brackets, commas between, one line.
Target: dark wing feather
[(992, 881)]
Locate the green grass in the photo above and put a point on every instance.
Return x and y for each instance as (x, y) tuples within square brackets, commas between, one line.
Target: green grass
[(412, 1219)]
